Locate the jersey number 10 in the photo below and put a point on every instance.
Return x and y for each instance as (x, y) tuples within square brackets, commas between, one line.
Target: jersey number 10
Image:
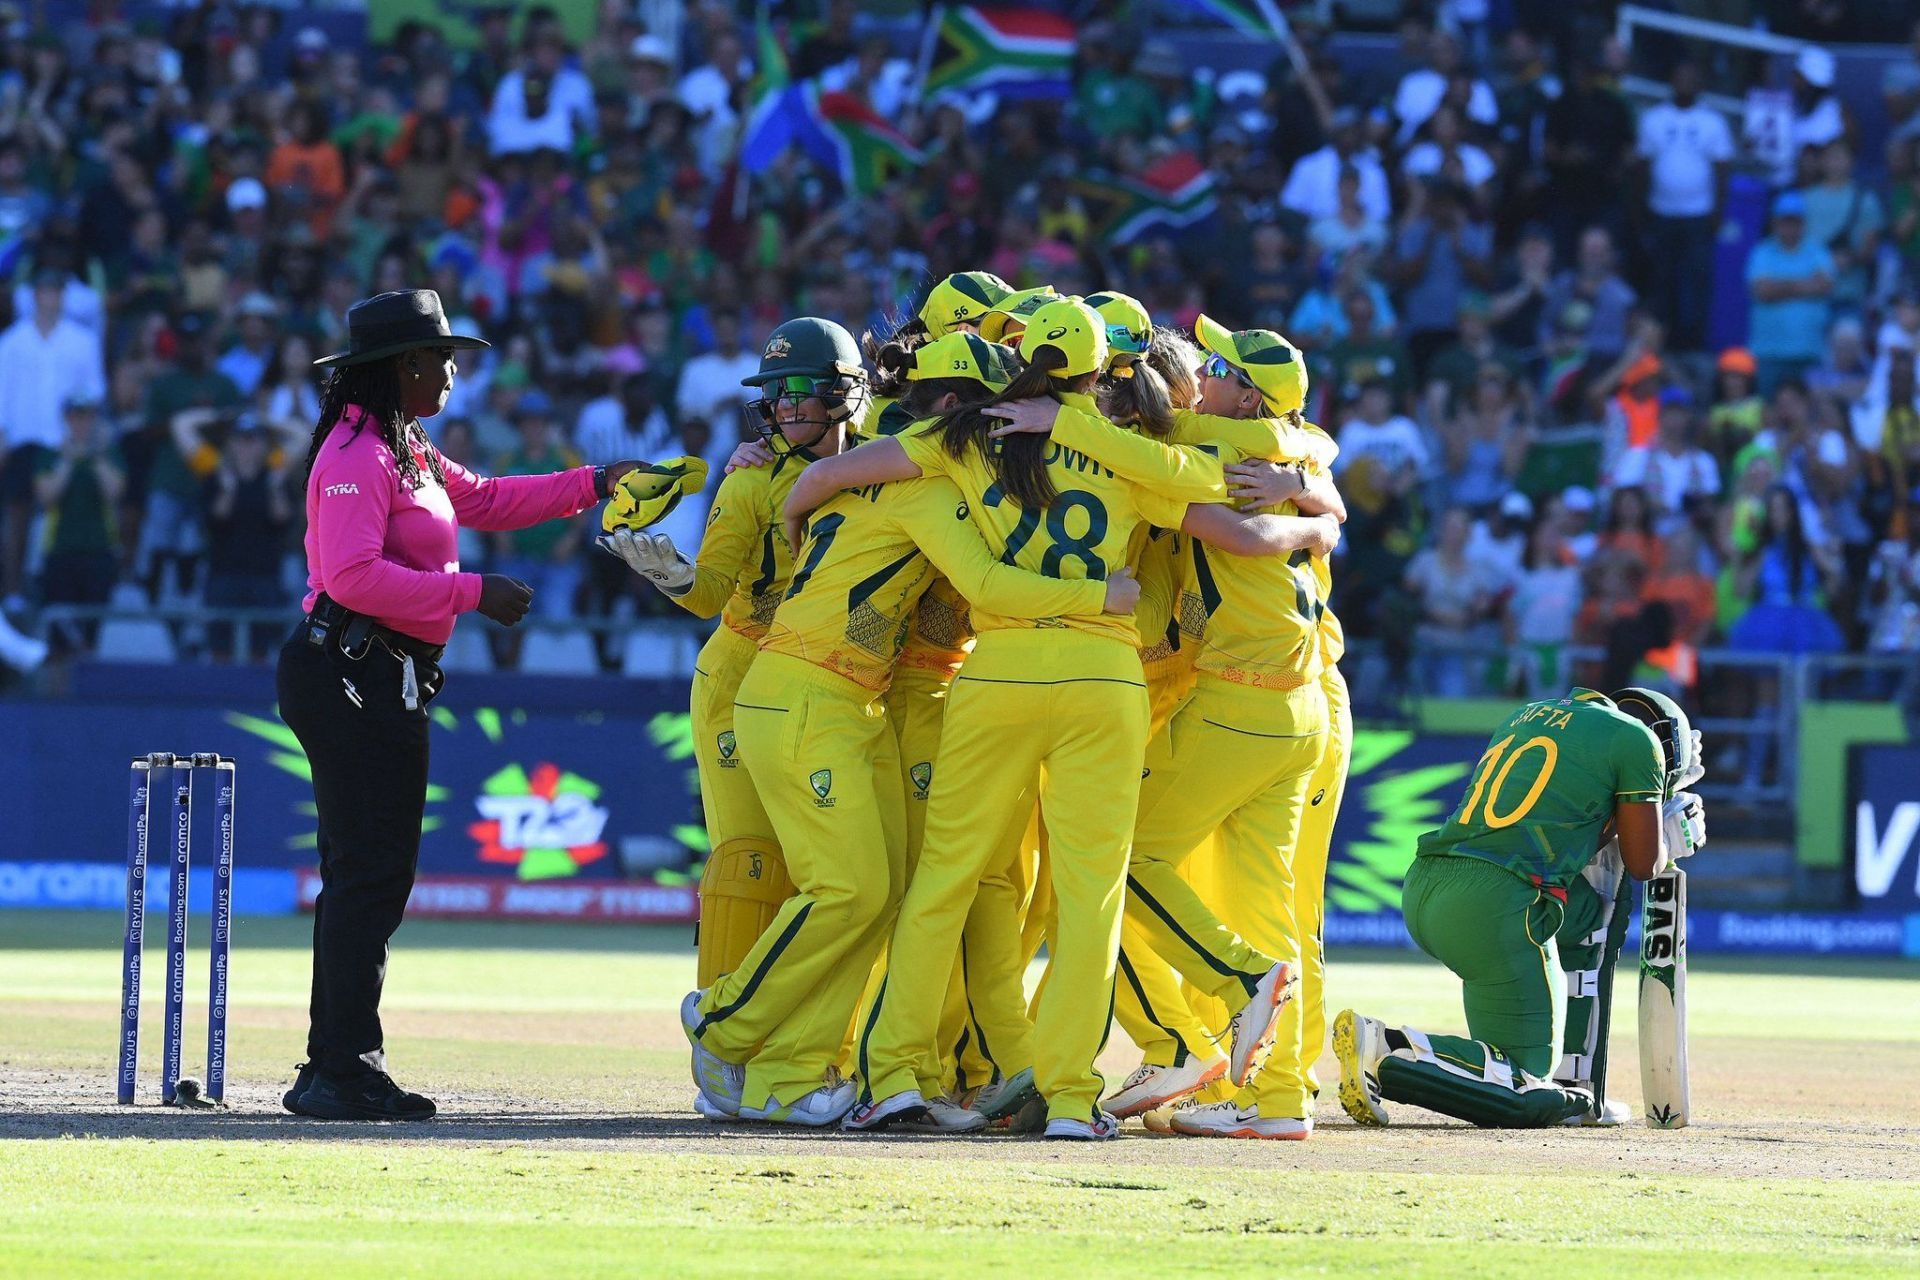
[(1491, 766)]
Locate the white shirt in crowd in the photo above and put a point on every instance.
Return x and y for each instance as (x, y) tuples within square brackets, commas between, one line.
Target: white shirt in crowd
[(1426, 158), (1313, 188), (1683, 145), (602, 433), (705, 91), (710, 390), (569, 108), (38, 373), (79, 302), (1420, 94), (1395, 442), (1668, 478)]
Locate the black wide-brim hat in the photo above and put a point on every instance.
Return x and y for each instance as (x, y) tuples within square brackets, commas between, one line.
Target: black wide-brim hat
[(388, 323)]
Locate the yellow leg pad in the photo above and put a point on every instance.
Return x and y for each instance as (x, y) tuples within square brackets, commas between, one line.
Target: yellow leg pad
[(745, 882)]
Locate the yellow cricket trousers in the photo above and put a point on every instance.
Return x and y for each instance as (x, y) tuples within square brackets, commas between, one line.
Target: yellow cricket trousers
[(745, 880), (1324, 794), (1148, 1002), (1237, 760), (1062, 715), (823, 757)]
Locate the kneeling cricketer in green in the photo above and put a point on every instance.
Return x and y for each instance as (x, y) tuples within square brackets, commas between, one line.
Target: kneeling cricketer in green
[(1569, 792)]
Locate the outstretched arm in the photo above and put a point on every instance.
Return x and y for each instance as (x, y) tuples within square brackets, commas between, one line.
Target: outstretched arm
[(1261, 535), (874, 462)]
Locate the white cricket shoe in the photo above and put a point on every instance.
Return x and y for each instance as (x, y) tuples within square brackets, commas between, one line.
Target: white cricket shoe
[(872, 1117), (1004, 1097), (708, 1111), (1613, 1113), (1230, 1120), (1252, 1028), (943, 1115), (816, 1110), (1360, 1042), (1151, 1087), (1098, 1129), (720, 1081)]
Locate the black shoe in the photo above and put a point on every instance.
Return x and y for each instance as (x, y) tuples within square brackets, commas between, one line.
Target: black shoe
[(370, 1095), (302, 1081)]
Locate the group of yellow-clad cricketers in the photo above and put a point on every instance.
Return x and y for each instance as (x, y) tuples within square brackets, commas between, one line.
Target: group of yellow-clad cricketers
[(1024, 640)]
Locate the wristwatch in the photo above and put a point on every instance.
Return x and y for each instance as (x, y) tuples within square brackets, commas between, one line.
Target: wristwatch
[(600, 483)]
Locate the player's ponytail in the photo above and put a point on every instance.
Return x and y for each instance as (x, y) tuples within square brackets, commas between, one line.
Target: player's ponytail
[(1019, 462), (1139, 399), (893, 358), (921, 398), (1163, 383)]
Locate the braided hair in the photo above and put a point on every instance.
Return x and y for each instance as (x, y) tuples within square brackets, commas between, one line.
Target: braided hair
[(375, 387)]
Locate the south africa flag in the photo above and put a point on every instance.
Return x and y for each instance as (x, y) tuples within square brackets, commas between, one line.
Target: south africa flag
[(1017, 53)]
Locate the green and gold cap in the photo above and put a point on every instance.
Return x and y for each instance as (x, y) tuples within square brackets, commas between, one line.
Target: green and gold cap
[(1273, 365), (965, 355), (964, 297), (1072, 326), (1129, 327), (1011, 314)]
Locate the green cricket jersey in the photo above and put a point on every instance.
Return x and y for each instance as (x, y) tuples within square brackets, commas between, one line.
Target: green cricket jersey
[(1546, 785)]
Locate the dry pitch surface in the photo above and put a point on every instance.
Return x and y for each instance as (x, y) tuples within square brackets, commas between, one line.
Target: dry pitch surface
[(566, 1146)]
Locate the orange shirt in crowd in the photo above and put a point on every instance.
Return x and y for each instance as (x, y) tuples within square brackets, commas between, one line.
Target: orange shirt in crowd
[(317, 170)]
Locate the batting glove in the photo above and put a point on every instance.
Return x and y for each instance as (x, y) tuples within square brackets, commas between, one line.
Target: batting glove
[(1684, 820), (651, 555), (1697, 770)]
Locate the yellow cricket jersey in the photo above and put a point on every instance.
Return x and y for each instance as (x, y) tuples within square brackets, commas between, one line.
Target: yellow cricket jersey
[(1333, 637), (941, 633), (869, 556), (744, 561), (1269, 636), (1087, 532), (1260, 614)]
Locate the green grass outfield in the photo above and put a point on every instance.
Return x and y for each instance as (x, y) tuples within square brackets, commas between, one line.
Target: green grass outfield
[(565, 1146)]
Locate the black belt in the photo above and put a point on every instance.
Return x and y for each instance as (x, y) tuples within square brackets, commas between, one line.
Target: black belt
[(330, 618)]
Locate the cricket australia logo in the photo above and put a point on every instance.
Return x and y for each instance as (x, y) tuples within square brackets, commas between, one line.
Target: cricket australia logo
[(777, 349), (822, 783), (727, 748), (922, 775)]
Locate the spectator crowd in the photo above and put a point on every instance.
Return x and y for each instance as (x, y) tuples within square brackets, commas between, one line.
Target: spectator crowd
[(1503, 268)]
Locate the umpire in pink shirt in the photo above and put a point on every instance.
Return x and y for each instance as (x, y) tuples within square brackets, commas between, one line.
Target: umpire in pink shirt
[(384, 510)]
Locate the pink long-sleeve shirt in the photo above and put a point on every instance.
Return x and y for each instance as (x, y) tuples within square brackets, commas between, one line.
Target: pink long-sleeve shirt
[(382, 549)]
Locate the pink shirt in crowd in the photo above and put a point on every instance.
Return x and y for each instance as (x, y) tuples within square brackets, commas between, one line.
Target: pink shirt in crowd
[(382, 549)]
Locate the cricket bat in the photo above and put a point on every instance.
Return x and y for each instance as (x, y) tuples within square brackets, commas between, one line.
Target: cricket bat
[(1663, 1000)]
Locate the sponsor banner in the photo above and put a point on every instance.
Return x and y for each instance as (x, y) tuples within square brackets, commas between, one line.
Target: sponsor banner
[(1885, 835), (527, 789), (102, 886), (1709, 932), (492, 898)]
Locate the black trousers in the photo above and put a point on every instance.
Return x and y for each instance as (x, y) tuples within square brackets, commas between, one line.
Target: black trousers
[(368, 754)]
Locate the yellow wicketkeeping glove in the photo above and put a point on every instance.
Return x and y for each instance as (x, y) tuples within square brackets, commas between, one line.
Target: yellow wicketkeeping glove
[(645, 495)]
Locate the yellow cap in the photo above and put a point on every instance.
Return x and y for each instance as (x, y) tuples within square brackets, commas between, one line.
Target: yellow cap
[(1273, 365), (964, 355), (645, 495), (962, 298), (1074, 328), (1129, 327), (1011, 314)]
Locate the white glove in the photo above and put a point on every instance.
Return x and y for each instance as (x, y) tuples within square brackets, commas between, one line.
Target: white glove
[(651, 555), (1684, 825), (1697, 771)]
